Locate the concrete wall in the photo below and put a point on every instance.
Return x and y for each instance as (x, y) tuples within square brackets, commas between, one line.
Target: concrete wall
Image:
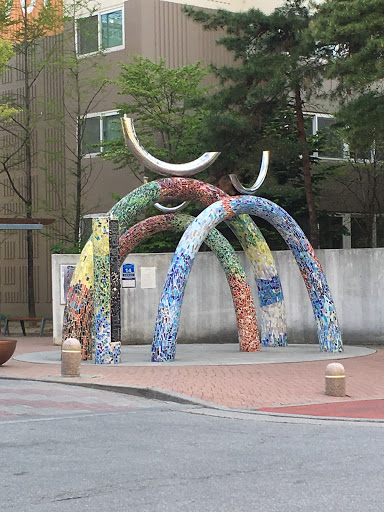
[(355, 276)]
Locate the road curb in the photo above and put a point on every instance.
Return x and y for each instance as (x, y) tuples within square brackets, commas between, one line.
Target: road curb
[(170, 396)]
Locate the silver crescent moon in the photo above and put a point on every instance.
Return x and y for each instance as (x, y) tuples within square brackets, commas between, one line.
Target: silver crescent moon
[(172, 209), (262, 174), (155, 165)]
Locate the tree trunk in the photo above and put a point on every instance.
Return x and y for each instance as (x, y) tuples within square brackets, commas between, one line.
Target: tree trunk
[(31, 283), (28, 172), (79, 179), (313, 223)]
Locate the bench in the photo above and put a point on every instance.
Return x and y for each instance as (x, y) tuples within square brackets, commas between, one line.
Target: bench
[(22, 323)]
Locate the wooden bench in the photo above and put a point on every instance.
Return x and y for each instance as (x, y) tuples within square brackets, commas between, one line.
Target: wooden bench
[(22, 323)]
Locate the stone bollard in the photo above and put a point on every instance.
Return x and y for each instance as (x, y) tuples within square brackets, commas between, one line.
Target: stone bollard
[(335, 380), (70, 358)]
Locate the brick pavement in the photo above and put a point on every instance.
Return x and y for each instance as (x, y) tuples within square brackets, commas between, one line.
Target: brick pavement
[(263, 386), (23, 399)]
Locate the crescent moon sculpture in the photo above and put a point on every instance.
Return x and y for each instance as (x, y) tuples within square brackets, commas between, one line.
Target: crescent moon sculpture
[(260, 179), (164, 168), (172, 209)]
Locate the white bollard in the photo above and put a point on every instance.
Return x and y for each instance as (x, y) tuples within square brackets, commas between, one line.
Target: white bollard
[(70, 358), (335, 380)]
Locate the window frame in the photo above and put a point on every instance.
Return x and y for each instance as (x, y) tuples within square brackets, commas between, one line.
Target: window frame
[(99, 14), (346, 148), (101, 116), (315, 128), (346, 219)]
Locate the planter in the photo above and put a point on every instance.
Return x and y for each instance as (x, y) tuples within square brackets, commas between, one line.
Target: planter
[(7, 348)]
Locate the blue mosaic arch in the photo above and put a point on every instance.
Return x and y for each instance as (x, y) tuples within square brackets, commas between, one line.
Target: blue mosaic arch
[(167, 323)]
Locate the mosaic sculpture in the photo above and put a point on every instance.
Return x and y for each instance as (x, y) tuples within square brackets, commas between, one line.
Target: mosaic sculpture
[(167, 323), (251, 239), (78, 310), (249, 340), (84, 290), (269, 287), (106, 295)]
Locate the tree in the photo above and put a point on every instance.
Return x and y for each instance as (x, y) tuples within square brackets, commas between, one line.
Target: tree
[(26, 28), (168, 125), (360, 177), (6, 52), (351, 39), (161, 99), (262, 101)]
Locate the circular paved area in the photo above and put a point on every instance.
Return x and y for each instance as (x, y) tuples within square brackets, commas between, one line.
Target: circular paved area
[(213, 355)]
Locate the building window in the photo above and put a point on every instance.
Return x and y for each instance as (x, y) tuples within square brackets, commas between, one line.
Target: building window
[(102, 31), (98, 129), (351, 231), (334, 147)]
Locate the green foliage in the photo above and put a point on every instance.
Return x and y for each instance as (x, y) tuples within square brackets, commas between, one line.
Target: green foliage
[(361, 122), (6, 52), (61, 248), (255, 108), (351, 38), (165, 241), (163, 100)]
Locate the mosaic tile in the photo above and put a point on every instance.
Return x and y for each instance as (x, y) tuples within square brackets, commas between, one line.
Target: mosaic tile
[(269, 291), (249, 340), (167, 322), (106, 295), (115, 280), (128, 208)]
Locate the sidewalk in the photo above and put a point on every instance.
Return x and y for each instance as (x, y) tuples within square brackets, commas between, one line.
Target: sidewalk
[(278, 387)]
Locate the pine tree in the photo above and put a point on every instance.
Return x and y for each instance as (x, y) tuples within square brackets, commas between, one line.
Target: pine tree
[(263, 97), (350, 38), (350, 34)]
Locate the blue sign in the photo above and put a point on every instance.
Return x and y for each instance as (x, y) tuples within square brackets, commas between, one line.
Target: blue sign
[(128, 268), (128, 276)]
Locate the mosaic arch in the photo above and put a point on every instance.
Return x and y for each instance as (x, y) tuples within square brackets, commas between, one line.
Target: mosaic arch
[(249, 339), (79, 305), (167, 323)]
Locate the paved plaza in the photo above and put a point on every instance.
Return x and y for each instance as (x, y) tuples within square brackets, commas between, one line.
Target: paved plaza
[(281, 381)]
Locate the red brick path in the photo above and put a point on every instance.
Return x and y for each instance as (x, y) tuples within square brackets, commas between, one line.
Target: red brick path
[(263, 386)]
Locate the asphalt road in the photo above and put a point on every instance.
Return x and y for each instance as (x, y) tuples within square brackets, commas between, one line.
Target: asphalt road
[(65, 449)]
